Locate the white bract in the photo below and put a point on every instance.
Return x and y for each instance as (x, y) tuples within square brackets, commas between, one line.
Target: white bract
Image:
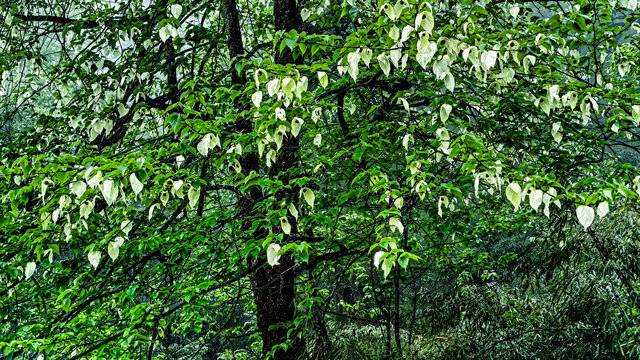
[(585, 215)]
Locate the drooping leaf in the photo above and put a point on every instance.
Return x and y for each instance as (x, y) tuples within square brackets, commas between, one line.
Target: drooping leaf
[(514, 195), (94, 258), (272, 254), (29, 269), (585, 215), (136, 185)]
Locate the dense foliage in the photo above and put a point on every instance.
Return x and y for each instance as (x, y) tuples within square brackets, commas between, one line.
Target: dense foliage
[(316, 179)]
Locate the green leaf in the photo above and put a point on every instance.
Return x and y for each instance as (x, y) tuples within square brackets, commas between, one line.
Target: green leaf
[(291, 42)]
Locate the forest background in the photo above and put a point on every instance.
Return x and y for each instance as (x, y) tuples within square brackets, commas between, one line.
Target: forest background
[(243, 179)]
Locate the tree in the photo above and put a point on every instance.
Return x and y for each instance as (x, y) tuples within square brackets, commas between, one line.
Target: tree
[(174, 189)]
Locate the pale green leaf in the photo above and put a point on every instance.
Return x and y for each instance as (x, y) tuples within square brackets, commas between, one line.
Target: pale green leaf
[(296, 125), (193, 195), (603, 209), (389, 11), (635, 113), (284, 224), (256, 98), (408, 138), (176, 10), (323, 78), (272, 254), (394, 33), (278, 138), (151, 211), (488, 59), (406, 31), (164, 198), (308, 195), (43, 187), (385, 66), (29, 269), (376, 258), (396, 224), (387, 265), (449, 82), (288, 86), (273, 86), (535, 198), (445, 110), (122, 110), (366, 55), (113, 248), (585, 215), (136, 185), (514, 195), (293, 211), (94, 258), (305, 13), (78, 188)]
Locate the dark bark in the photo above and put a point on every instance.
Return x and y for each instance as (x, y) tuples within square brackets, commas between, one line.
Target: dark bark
[(234, 33), (287, 17), (396, 324), (273, 289), (272, 286)]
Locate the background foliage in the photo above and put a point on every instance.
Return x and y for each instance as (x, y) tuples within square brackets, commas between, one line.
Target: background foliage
[(249, 179)]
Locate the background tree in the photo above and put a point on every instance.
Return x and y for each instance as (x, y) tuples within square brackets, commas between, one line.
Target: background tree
[(251, 179)]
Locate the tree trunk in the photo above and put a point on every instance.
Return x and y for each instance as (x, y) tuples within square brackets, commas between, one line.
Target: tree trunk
[(272, 286)]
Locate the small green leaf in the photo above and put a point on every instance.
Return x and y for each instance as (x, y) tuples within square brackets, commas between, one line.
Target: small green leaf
[(291, 42)]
